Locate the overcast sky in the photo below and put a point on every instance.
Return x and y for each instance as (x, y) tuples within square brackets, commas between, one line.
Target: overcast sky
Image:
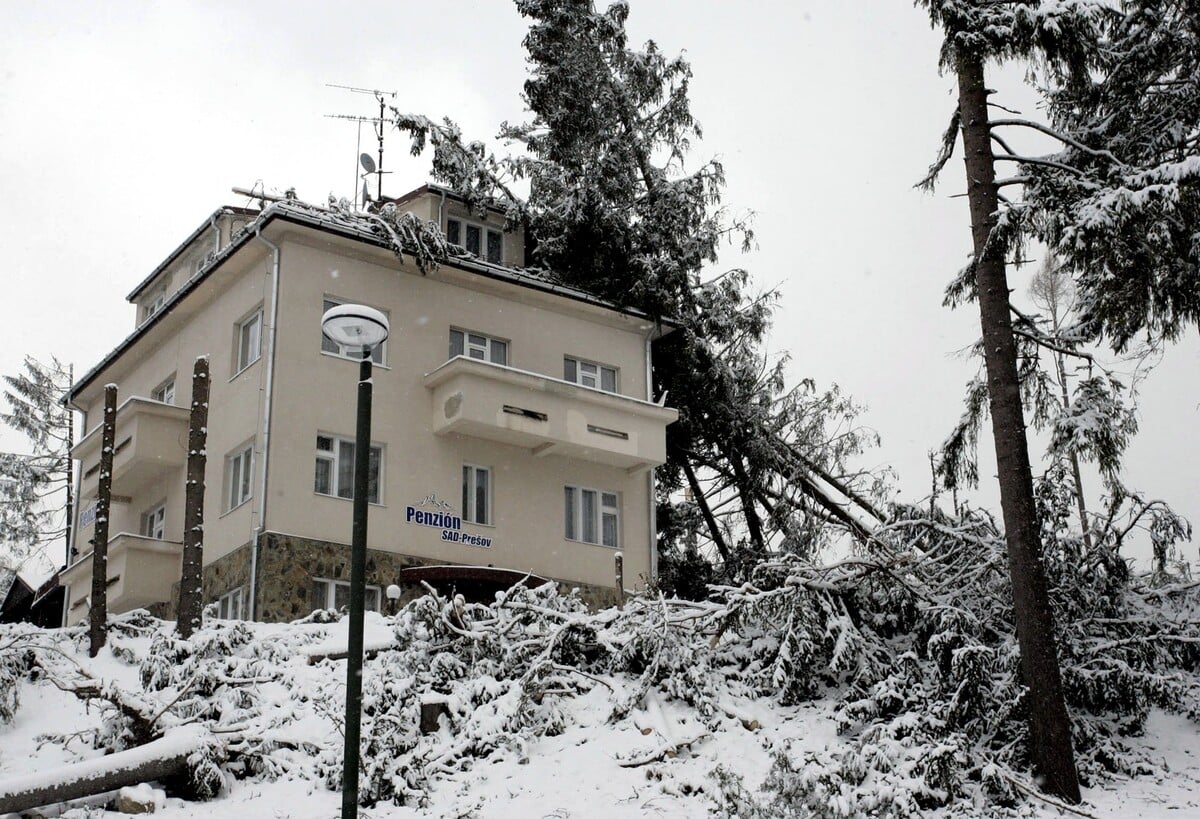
[(124, 124)]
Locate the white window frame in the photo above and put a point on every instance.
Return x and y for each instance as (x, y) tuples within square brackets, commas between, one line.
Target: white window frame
[(154, 522), (353, 353), (239, 476), (485, 230), (480, 346), (328, 588), (470, 494), (576, 524), (333, 457), (248, 348), (164, 393), (232, 605), (589, 374), (152, 306)]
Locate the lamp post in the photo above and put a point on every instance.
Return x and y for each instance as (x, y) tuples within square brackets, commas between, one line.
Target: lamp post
[(393, 596), (353, 325)]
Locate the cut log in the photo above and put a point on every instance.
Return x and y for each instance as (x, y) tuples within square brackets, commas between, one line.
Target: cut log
[(158, 759)]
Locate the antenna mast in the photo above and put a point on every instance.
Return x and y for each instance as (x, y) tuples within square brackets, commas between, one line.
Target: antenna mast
[(365, 161)]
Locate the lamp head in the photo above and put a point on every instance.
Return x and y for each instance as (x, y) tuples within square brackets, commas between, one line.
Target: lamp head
[(355, 325)]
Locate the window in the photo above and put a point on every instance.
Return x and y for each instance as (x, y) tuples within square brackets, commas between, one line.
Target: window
[(335, 594), (592, 516), (154, 522), (249, 341), (476, 494), (154, 304), (334, 473), (589, 374), (238, 468), (472, 237), (476, 345), (355, 353), (165, 392), (230, 605)]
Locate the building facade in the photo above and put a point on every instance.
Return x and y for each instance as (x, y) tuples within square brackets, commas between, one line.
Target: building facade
[(514, 427)]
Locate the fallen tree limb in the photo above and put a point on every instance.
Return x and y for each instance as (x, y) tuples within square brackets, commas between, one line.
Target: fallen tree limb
[(155, 760), (666, 751)]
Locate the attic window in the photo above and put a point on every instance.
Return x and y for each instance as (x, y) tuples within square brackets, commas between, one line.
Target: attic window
[(472, 237), (154, 304)]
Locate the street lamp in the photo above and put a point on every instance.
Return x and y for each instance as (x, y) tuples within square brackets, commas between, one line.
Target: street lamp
[(353, 325), (393, 596)]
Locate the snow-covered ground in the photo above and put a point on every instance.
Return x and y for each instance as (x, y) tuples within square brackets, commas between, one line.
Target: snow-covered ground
[(595, 767)]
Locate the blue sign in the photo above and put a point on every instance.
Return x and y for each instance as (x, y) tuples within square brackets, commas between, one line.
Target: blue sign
[(445, 519)]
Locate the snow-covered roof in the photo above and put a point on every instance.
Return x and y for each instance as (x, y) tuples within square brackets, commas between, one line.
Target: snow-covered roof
[(343, 222)]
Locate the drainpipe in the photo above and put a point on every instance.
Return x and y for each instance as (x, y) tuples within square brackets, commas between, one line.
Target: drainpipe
[(650, 479), (216, 233), (266, 423), (442, 213)]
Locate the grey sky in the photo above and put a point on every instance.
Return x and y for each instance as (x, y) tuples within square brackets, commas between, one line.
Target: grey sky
[(122, 125)]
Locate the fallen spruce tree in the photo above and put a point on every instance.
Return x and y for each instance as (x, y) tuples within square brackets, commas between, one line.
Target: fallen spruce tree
[(909, 637)]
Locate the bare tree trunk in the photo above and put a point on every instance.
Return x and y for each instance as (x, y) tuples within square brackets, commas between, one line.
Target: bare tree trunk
[(160, 759), (1049, 726), (1080, 507), (98, 614), (191, 580), (714, 529), (70, 469)]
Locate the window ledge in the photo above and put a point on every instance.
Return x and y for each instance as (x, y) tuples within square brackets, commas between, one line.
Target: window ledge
[(347, 500), (233, 509), (243, 369), (374, 365)]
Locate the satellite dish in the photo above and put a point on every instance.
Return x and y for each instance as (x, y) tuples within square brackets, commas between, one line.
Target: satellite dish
[(367, 163)]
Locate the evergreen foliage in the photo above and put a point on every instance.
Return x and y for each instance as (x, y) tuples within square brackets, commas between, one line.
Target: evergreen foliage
[(613, 209), (34, 485)]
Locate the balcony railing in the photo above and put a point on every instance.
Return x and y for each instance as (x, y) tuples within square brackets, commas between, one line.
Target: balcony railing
[(141, 571), (548, 416), (151, 441)]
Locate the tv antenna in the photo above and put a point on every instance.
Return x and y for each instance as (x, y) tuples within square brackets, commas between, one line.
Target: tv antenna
[(366, 162)]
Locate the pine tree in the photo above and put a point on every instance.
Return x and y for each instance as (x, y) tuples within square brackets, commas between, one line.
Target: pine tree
[(1062, 38), (614, 209), (1119, 203), (35, 487)]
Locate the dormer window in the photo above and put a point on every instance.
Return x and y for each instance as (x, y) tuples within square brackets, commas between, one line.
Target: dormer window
[(481, 240), (155, 304)]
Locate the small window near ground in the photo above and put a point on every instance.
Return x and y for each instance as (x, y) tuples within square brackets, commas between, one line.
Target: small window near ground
[(592, 516), (334, 470), (345, 351), (238, 477), (589, 374), (230, 606), (249, 341), (335, 594), (476, 494), (154, 522), (478, 346)]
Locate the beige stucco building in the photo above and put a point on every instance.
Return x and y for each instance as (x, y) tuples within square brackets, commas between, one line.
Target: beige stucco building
[(514, 425)]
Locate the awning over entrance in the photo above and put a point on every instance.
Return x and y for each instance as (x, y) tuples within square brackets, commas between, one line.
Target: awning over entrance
[(478, 584)]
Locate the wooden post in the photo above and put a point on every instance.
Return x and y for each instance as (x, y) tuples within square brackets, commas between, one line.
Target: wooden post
[(98, 614), (619, 559), (191, 580)]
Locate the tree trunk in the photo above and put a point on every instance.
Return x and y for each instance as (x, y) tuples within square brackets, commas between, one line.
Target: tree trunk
[(1049, 726), (98, 613), (157, 760), (70, 470), (191, 580)]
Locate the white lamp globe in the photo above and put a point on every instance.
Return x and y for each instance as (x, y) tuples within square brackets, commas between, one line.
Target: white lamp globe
[(355, 325)]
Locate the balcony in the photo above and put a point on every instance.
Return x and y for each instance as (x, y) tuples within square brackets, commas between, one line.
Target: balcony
[(151, 441), (141, 571), (547, 416)]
